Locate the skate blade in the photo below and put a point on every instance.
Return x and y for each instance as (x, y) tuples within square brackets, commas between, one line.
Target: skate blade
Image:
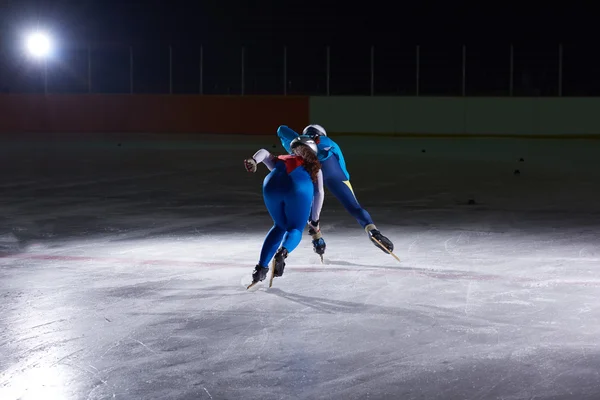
[(385, 248), (272, 274), (322, 261), (246, 282)]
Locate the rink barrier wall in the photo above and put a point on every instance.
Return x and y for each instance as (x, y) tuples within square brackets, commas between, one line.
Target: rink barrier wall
[(524, 117), (107, 113)]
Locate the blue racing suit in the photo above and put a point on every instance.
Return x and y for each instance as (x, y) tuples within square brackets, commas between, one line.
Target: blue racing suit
[(335, 175), (288, 193)]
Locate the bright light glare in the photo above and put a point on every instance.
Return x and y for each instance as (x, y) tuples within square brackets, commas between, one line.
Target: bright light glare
[(39, 45)]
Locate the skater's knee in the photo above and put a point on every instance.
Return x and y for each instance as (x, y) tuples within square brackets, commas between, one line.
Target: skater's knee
[(279, 227), (295, 231)]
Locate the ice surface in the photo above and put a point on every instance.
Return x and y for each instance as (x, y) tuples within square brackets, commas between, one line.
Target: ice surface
[(122, 273)]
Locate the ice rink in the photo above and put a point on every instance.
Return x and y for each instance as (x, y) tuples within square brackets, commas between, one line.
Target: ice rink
[(123, 260)]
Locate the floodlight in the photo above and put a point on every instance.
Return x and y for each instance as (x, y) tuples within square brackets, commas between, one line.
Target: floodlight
[(39, 44)]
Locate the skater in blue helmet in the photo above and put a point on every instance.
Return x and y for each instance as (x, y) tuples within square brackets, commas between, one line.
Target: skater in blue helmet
[(292, 189), (337, 180)]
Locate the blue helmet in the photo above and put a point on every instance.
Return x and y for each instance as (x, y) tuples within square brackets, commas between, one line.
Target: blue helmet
[(314, 130), (306, 141)]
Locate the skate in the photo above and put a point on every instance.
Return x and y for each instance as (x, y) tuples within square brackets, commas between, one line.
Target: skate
[(380, 241), (318, 242), (278, 264), (259, 274), (319, 247)]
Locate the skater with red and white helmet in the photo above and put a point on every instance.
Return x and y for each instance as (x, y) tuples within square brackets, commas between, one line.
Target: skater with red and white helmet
[(292, 191)]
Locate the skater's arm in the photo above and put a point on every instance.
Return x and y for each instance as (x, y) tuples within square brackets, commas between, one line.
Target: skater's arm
[(266, 158), (318, 198), (261, 156), (286, 135)]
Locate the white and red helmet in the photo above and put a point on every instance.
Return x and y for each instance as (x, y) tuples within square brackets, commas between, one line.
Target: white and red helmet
[(314, 130), (304, 140)]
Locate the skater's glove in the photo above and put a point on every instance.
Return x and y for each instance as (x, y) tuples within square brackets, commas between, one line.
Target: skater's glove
[(250, 164)]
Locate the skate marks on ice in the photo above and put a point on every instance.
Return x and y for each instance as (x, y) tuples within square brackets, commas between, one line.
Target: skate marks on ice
[(332, 265), (416, 313), (113, 337), (436, 352)]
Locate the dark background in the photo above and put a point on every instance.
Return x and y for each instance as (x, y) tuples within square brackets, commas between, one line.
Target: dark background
[(106, 33)]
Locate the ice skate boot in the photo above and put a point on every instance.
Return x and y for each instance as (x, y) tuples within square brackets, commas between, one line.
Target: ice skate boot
[(379, 240), (319, 246), (279, 261), (318, 242), (278, 264), (259, 274)]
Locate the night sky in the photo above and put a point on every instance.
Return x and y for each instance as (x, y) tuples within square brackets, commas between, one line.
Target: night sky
[(263, 28)]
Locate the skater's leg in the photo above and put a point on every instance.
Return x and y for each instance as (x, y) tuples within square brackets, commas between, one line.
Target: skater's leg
[(297, 211), (340, 187), (270, 245), (343, 191), (298, 203), (274, 200), (272, 240)]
